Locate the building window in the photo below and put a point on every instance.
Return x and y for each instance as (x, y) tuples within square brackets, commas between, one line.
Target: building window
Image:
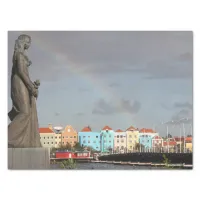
[(117, 136), (94, 142), (130, 140), (121, 136), (59, 137), (63, 142), (104, 141), (83, 141), (66, 136), (117, 141), (52, 143), (44, 137), (130, 136), (59, 142), (109, 141), (122, 141), (88, 141), (51, 137), (40, 137), (97, 136), (48, 137), (109, 135), (89, 136), (63, 137), (74, 136), (70, 136), (47, 142), (130, 147), (44, 142), (71, 142), (56, 142), (83, 136), (56, 137), (97, 147)]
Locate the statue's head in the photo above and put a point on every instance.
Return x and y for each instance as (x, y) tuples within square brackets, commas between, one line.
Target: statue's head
[(23, 42)]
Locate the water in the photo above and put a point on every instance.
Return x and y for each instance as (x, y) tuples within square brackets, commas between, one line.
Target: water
[(104, 166)]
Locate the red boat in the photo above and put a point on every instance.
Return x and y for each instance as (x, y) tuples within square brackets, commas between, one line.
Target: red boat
[(74, 155)]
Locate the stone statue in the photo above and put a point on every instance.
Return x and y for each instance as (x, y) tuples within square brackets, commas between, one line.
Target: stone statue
[(23, 131)]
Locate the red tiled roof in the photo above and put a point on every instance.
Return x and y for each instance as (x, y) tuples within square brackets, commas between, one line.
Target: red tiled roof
[(107, 128), (118, 130), (178, 139), (86, 129), (188, 139), (45, 130), (146, 130), (131, 128), (171, 143), (157, 137)]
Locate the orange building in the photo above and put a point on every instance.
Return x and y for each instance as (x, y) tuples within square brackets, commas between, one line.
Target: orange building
[(69, 135)]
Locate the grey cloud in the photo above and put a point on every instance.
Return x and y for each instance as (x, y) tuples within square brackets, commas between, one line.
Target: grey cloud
[(56, 114), (80, 114), (184, 113), (108, 108), (55, 53), (183, 105)]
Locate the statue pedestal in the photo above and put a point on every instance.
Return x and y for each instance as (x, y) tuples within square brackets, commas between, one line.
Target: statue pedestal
[(28, 158)]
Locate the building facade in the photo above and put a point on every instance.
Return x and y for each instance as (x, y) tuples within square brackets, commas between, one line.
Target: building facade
[(145, 138), (120, 141), (132, 138), (157, 143), (69, 135), (47, 137), (107, 139), (58, 140), (89, 138), (188, 144), (170, 145)]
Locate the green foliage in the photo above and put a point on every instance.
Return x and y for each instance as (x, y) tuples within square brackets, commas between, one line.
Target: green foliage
[(166, 161), (68, 164)]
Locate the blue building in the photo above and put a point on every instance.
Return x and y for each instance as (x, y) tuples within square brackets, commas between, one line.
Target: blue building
[(88, 138), (146, 136), (107, 139)]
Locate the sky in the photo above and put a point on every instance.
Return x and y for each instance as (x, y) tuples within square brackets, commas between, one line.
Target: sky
[(112, 78)]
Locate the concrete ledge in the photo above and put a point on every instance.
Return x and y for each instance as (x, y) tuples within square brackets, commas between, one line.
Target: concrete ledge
[(28, 158)]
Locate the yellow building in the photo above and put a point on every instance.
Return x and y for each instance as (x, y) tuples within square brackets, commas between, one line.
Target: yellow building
[(58, 140), (47, 137), (132, 138)]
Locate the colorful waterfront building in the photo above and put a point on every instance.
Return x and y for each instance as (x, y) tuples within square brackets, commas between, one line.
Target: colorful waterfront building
[(170, 145), (157, 143), (132, 138), (120, 141), (90, 138), (188, 144), (47, 137), (146, 136), (69, 135), (107, 139)]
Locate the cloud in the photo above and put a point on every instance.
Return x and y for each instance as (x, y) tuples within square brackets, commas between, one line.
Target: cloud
[(183, 105), (80, 114), (56, 114), (153, 54), (176, 105), (184, 113), (123, 106)]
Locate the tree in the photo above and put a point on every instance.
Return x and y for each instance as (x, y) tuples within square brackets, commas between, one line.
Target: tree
[(78, 147)]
